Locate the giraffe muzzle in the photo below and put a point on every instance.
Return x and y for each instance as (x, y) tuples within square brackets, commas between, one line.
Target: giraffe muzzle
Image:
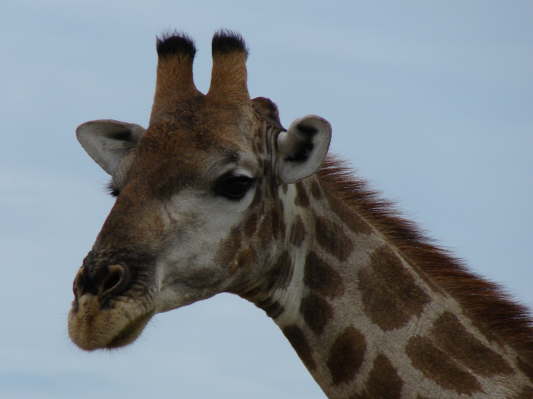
[(105, 312)]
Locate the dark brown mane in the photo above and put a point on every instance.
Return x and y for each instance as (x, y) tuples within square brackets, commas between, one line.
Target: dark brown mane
[(486, 304)]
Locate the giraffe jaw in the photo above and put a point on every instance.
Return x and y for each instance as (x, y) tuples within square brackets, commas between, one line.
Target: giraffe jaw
[(90, 327)]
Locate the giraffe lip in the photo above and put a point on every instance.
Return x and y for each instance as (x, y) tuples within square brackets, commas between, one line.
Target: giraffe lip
[(130, 332)]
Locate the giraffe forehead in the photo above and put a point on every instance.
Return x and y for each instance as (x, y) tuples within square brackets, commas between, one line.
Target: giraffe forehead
[(206, 120), (200, 142)]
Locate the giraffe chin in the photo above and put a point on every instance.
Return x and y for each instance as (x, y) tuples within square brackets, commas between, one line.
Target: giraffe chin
[(91, 327), (130, 333)]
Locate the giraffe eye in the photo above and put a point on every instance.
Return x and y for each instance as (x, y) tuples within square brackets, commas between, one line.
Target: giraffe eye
[(233, 187)]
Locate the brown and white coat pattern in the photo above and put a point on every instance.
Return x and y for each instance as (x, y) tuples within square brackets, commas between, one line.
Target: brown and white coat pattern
[(215, 196)]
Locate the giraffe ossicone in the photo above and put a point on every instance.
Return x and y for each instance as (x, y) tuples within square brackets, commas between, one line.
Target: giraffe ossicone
[(216, 196)]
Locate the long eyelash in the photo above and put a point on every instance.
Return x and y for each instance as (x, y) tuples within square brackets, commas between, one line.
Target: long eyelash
[(112, 190)]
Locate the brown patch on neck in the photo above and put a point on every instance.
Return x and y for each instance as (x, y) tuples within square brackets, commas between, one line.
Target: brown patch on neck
[(315, 190), (439, 367), (390, 294), (453, 338), (297, 233), (481, 300), (332, 238), (321, 277), (275, 218), (482, 327), (272, 308), (297, 338), (278, 223), (250, 225), (316, 312), (280, 275), (265, 232), (302, 199), (346, 355), (383, 381)]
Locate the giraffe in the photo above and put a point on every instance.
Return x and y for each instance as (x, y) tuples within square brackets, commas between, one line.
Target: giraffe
[(217, 196)]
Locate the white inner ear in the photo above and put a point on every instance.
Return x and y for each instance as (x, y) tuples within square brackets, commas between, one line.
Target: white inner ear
[(108, 141), (303, 148)]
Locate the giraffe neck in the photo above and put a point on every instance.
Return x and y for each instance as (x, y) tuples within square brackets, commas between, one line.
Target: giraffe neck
[(368, 323)]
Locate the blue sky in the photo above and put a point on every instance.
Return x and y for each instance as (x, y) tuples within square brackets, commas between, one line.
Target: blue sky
[(430, 101)]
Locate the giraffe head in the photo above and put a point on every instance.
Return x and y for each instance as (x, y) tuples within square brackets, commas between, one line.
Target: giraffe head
[(197, 210)]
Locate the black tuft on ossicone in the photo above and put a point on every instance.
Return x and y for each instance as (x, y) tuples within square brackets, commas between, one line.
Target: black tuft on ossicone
[(175, 43), (227, 41)]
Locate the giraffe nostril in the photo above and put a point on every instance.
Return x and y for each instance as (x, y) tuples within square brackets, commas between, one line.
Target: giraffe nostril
[(102, 281), (82, 283), (115, 281)]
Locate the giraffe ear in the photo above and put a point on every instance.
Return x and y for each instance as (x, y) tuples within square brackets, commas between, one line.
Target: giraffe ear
[(302, 148), (108, 141)]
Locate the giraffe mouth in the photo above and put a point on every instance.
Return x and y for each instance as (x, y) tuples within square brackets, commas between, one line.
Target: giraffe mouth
[(130, 332), (90, 327)]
